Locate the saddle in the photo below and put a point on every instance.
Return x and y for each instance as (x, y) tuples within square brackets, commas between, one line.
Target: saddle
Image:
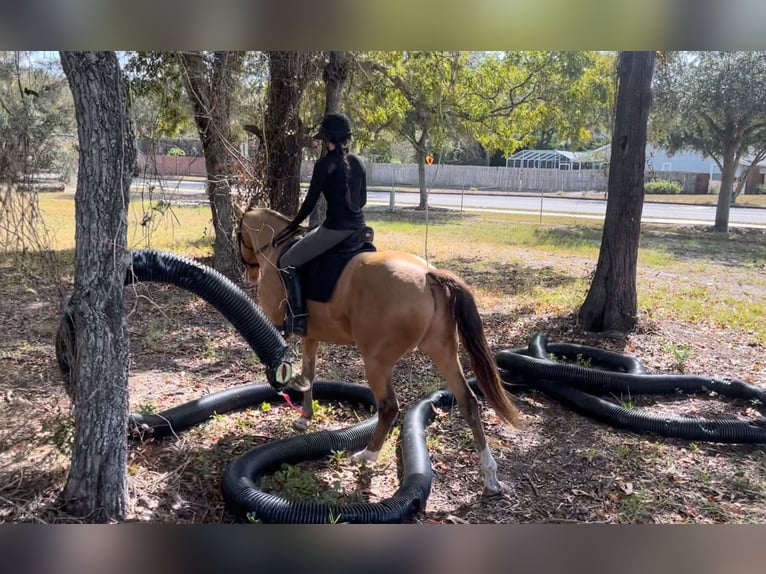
[(319, 276)]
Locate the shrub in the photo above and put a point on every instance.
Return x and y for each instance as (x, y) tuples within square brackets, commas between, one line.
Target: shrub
[(663, 187), (176, 151), (760, 190)]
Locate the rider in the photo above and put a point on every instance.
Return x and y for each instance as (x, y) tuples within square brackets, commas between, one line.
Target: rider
[(341, 177)]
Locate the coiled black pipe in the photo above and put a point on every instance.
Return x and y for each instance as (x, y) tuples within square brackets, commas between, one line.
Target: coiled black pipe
[(689, 428), (194, 412), (241, 475), (224, 295), (535, 364), (567, 383), (242, 494), (597, 358)]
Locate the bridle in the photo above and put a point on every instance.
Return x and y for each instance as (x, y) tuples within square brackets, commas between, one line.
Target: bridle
[(260, 248), (242, 257)]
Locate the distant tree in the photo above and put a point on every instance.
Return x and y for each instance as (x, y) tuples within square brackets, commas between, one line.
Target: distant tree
[(36, 136), (96, 488), (714, 103), (168, 85), (540, 100), (611, 303), (36, 117), (463, 107), (160, 106), (415, 95), (210, 79)]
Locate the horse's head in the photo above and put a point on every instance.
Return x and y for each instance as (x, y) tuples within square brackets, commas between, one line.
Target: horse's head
[(257, 230)]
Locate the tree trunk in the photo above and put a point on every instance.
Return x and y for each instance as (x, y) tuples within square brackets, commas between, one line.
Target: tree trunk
[(284, 132), (96, 488), (611, 303), (421, 159), (334, 75), (211, 89), (728, 173)]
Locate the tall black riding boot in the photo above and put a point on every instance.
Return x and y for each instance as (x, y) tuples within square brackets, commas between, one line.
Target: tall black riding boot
[(295, 318)]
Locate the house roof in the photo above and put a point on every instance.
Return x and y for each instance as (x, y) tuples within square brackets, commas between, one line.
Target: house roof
[(605, 151)]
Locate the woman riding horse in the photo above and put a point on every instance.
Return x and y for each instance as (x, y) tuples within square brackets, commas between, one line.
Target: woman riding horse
[(386, 303), (340, 176)]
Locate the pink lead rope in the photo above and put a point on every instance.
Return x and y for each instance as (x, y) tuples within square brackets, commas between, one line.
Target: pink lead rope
[(289, 402)]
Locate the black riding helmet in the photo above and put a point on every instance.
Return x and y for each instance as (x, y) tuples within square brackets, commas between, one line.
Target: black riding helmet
[(335, 128)]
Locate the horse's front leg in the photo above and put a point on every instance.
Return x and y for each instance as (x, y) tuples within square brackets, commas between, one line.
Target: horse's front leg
[(309, 349)]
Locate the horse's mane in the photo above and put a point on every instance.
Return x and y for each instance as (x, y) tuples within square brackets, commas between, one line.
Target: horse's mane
[(265, 213), (269, 211)]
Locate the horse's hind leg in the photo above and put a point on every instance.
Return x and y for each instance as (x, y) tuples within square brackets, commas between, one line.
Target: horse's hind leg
[(444, 355), (309, 349)]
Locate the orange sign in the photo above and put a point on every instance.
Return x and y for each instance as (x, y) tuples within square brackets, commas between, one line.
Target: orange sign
[(429, 159)]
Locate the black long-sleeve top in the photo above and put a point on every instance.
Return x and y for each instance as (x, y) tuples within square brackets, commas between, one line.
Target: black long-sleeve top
[(344, 202)]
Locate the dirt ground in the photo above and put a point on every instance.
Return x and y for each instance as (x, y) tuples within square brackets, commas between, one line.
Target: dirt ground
[(560, 467)]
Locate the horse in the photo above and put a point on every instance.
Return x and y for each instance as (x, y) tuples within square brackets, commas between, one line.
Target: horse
[(386, 303)]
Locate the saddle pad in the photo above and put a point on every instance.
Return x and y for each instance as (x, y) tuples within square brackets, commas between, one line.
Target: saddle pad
[(319, 276)]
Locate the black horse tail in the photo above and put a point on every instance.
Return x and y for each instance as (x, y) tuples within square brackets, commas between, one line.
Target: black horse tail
[(471, 331)]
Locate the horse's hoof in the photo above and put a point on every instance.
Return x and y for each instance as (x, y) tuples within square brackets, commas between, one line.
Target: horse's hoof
[(301, 424), (299, 384), (365, 456), (494, 489)]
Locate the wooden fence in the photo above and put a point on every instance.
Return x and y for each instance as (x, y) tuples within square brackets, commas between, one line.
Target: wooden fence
[(170, 165), (468, 177)]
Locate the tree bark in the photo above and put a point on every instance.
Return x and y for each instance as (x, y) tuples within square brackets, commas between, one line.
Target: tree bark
[(96, 488), (611, 303), (728, 173), (334, 75), (420, 154), (210, 88), (284, 133)]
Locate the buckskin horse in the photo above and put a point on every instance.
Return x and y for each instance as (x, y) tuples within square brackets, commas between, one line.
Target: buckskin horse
[(386, 303)]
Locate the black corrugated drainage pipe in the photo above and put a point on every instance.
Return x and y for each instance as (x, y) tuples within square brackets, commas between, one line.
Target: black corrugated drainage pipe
[(194, 412), (224, 295), (242, 494), (569, 383), (213, 287)]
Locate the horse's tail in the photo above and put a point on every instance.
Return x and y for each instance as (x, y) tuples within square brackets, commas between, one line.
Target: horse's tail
[(471, 331)]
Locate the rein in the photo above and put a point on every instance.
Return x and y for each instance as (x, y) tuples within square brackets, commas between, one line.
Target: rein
[(260, 248)]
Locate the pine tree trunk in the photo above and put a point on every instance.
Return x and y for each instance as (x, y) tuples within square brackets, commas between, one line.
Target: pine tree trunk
[(611, 303), (96, 488)]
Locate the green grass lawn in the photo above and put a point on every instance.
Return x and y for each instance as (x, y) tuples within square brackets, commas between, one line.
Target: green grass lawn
[(152, 225)]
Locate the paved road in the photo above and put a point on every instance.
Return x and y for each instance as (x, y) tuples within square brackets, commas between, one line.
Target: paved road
[(577, 207), (574, 207)]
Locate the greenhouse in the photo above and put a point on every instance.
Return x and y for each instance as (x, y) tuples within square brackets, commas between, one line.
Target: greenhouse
[(555, 159)]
